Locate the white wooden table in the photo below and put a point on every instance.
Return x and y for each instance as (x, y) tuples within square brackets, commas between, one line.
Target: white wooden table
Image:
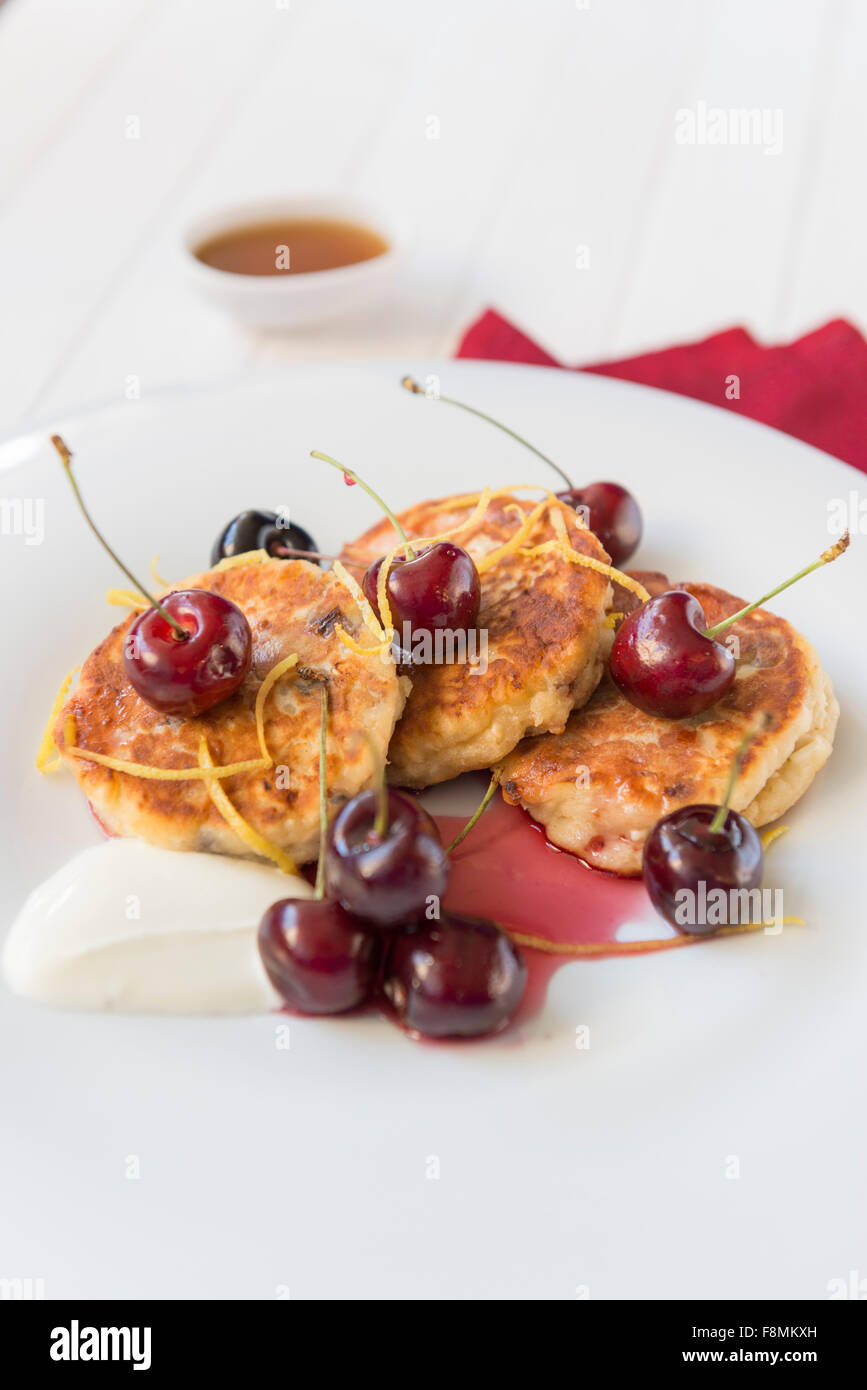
[(557, 130)]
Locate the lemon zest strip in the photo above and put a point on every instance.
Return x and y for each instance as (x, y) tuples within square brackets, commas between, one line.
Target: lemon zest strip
[(245, 832), (349, 582), (47, 746), (559, 524), (349, 641), (157, 578), (167, 774), (262, 695), (557, 520), (482, 502), (469, 499), (514, 507), (577, 558), (248, 557), (126, 598), (612, 619), (514, 542), (771, 836), (634, 948), (382, 603)]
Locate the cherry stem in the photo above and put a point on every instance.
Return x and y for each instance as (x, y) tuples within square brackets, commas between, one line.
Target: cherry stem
[(323, 792), (825, 558), (380, 824), (348, 473), (411, 385), (718, 821), (66, 459), (285, 553), (478, 813)]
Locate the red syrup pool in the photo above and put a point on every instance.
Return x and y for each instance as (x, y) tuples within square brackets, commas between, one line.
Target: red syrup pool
[(506, 870)]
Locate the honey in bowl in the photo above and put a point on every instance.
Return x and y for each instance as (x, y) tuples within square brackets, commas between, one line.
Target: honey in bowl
[(291, 246)]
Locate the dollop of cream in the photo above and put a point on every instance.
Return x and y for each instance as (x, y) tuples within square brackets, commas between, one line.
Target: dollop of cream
[(127, 927)]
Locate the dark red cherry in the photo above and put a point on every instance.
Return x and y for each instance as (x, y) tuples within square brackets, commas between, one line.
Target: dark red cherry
[(685, 860), (188, 675), (460, 977), (386, 879), (317, 957), (440, 588), (256, 530), (663, 660), (613, 515)]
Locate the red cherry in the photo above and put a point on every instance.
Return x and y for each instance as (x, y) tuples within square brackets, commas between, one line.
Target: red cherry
[(188, 675), (385, 878), (668, 662), (686, 859), (438, 589), (664, 662), (613, 515), (460, 977), (317, 957)]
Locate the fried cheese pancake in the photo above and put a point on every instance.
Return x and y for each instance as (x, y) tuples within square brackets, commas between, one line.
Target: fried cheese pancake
[(542, 619), (292, 606), (600, 787)]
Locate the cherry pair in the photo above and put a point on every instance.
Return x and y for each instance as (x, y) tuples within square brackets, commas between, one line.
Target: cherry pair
[(455, 977)]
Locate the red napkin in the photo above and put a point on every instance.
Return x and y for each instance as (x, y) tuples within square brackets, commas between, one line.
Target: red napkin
[(814, 388)]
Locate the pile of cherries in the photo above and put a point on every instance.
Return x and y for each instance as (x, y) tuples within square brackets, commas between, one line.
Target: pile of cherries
[(379, 936)]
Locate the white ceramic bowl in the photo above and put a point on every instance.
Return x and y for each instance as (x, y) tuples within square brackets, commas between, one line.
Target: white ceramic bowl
[(291, 301)]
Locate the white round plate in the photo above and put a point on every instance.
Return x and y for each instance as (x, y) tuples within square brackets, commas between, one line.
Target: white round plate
[(710, 1141)]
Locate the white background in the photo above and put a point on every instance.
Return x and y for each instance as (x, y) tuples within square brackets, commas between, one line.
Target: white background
[(556, 130)]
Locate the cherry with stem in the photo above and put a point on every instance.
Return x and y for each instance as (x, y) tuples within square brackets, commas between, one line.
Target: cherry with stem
[(318, 957), (182, 655), (667, 662), (701, 855), (384, 858), (66, 459), (436, 587), (611, 513)]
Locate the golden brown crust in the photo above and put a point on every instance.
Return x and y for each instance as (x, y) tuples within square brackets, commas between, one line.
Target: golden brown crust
[(543, 616), (291, 606), (601, 785)]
